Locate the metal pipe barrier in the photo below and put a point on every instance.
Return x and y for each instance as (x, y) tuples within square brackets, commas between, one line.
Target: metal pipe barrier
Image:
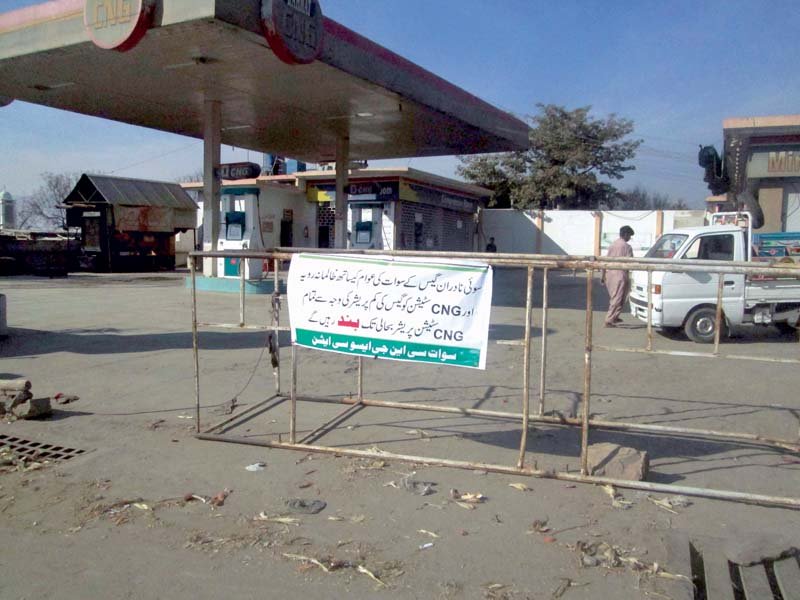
[(546, 263)]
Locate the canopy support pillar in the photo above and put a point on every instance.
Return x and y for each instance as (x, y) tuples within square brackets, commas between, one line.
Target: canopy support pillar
[(341, 217), (212, 153)]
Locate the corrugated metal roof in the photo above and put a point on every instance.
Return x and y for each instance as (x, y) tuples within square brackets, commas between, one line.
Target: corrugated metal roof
[(135, 192)]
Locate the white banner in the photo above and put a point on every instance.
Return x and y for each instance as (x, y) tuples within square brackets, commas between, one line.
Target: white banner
[(409, 309)]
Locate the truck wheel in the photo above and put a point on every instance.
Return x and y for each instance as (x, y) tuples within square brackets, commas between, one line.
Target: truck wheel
[(701, 325)]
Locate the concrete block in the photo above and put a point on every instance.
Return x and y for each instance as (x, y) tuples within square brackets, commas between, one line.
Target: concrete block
[(35, 408), (619, 462)]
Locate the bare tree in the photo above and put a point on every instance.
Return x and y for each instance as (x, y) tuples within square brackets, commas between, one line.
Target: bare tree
[(44, 208), (640, 198), (193, 177)]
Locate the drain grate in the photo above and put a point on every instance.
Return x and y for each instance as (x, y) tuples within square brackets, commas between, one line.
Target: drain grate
[(717, 578), (39, 450)]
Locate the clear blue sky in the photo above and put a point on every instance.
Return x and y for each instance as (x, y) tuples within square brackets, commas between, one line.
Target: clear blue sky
[(677, 68)]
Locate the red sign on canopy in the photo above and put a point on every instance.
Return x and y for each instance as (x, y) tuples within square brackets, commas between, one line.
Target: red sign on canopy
[(118, 24), (294, 29)]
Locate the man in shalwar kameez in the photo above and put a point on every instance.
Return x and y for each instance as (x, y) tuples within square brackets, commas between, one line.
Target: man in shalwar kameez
[(617, 282)]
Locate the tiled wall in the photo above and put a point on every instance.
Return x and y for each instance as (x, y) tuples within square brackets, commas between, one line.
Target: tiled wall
[(326, 216)]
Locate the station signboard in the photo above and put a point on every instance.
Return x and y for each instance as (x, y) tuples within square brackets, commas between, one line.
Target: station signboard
[(241, 170), (294, 29), (778, 162), (118, 24)]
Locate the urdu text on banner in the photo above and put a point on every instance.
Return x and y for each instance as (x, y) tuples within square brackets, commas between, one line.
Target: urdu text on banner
[(398, 308)]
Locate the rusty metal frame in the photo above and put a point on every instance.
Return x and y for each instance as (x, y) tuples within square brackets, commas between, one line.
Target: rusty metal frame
[(589, 264)]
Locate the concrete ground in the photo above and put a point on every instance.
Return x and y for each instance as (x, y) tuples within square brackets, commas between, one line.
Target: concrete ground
[(114, 522)]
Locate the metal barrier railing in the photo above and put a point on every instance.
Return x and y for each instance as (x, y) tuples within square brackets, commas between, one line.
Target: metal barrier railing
[(531, 262)]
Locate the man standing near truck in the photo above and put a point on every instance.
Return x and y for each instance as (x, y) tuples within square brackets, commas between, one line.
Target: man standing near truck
[(617, 282)]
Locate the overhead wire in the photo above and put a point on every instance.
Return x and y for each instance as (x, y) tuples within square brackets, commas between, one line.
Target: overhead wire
[(173, 151)]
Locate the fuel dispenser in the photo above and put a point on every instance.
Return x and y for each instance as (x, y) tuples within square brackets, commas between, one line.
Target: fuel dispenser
[(367, 226), (240, 230)]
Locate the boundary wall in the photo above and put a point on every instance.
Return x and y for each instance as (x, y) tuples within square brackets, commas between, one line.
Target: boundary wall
[(579, 232)]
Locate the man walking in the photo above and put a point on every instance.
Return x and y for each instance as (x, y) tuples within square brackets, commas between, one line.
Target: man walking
[(617, 281)]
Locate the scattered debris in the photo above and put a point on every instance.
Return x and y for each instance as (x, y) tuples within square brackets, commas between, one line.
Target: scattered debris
[(185, 417), (65, 398), (520, 486), (259, 466), (420, 433), (603, 554), (262, 516), (565, 584), (497, 591), (259, 539), (362, 569), (426, 545), (617, 501), (190, 497), (334, 565), (10, 461), (549, 539), (353, 519), (669, 504), (539, 526), (306, 507), (141, 506), (305, 485), (428, 533), (219, 499), (467, 500), (227, 408), (156, 424), (375, 465), (407, 482)]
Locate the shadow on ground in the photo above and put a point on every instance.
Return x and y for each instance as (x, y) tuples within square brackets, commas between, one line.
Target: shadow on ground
[(34, 342)]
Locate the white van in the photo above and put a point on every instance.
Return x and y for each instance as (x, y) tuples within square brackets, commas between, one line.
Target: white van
[(688, 300)]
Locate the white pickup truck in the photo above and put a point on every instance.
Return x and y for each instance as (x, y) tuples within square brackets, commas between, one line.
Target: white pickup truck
[(688, 300)]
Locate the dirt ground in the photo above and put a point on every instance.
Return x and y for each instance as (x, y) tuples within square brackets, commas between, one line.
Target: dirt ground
[(133, 516)]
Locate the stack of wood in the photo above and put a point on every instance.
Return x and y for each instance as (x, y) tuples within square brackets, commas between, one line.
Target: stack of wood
[(17, 399)]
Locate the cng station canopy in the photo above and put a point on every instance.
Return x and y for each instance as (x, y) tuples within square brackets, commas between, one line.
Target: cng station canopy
[(289, 80)]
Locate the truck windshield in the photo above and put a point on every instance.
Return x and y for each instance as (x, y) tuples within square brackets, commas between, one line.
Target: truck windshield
[(666, 246)]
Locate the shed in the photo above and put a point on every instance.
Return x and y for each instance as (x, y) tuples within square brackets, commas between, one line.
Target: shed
[(128, 224)]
